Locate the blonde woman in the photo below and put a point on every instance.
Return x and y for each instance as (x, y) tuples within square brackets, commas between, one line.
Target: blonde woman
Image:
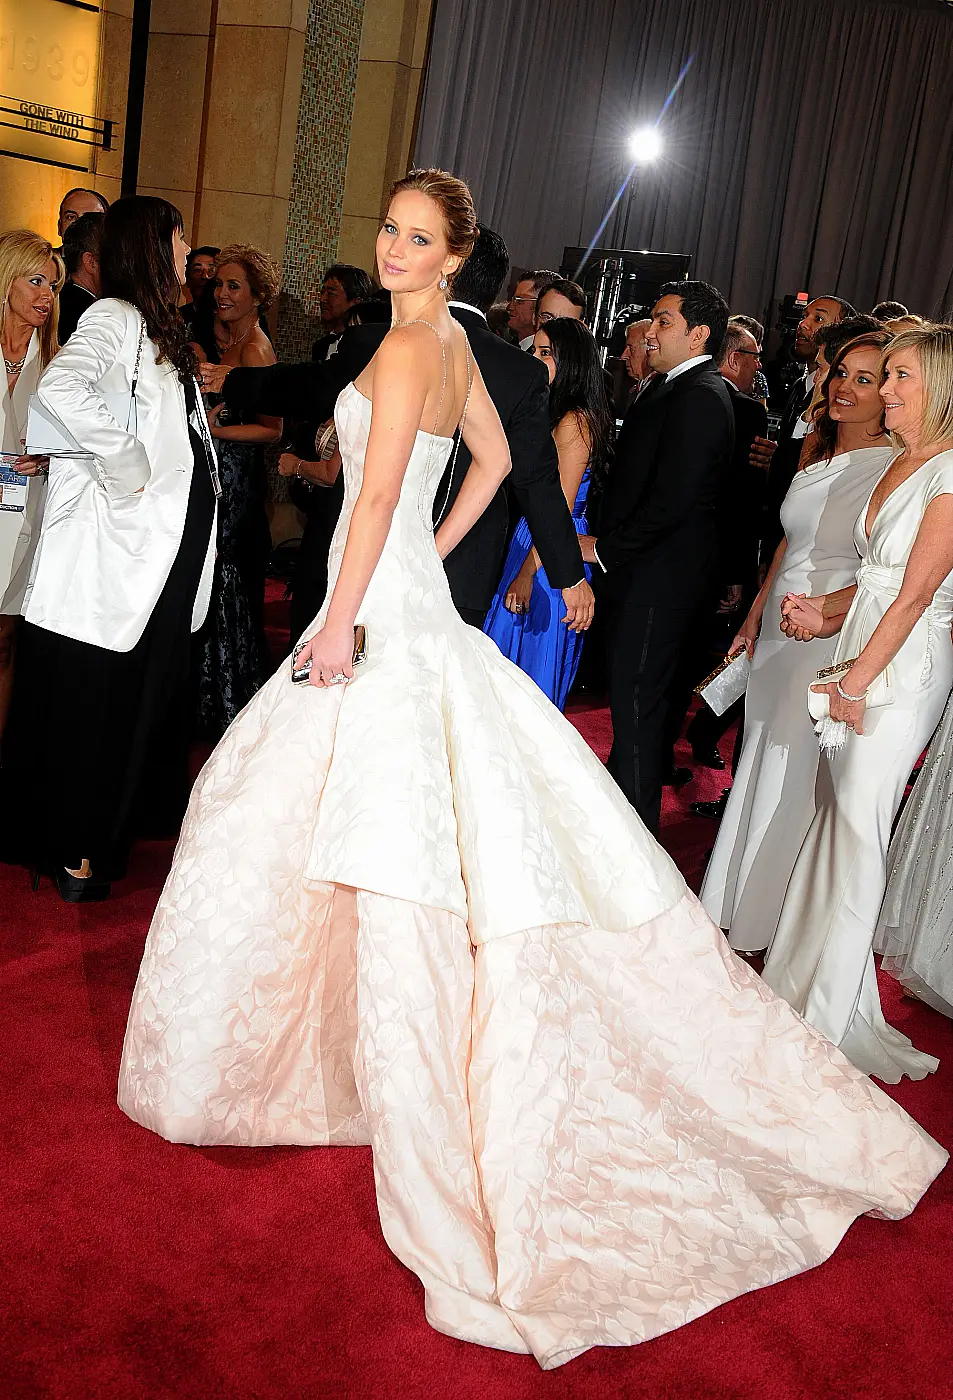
[(897, 628), (31, 276)]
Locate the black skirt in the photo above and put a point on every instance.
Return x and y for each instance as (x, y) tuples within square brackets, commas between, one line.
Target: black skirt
[(96, 748)]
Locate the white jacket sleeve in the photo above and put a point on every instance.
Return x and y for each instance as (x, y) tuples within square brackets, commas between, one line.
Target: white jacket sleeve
[(68, 389)]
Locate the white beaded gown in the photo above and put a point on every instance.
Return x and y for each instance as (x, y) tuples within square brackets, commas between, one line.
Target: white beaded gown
[(416, 912), (821, 960), (771, 803), (915, 930)]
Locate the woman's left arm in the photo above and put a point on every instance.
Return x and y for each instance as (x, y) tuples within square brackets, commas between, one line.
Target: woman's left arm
[(930, 561)]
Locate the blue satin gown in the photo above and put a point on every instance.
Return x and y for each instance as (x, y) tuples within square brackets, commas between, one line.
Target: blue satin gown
[(537, 641)]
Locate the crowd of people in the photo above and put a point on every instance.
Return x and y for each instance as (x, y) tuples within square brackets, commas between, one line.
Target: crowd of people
[(691, 514), (443, 825)]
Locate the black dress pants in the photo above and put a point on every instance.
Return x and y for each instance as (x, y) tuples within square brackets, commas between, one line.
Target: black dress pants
[(645, 645), (96, 751)]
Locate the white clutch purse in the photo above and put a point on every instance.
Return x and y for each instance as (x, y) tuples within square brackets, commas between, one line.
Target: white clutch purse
[(727, 683), (46, 436), (832, 733)]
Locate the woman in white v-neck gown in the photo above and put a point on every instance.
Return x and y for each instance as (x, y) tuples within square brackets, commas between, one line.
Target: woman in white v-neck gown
[(771, 803), (414, 911), (821, 960)]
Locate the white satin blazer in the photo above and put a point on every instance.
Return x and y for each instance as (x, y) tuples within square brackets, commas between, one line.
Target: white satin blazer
[(105, 551)]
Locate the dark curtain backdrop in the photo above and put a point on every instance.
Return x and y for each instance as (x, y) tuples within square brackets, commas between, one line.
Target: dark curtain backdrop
[(809, 147)]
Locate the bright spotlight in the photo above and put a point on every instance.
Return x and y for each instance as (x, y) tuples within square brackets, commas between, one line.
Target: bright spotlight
[(645, 144)]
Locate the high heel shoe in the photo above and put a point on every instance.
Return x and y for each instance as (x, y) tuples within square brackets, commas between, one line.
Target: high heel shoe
[(75, 889)]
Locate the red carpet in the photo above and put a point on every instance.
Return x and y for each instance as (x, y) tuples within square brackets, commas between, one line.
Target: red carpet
[(136, 1270)]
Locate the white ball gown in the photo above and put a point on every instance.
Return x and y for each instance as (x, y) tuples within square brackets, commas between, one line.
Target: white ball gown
[(771, 803), (416, 912), (821, 960)]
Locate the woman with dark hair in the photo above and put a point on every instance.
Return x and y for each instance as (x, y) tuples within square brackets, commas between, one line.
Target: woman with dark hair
[(771, 804), (123, 571), (233, 653), (526, 616)]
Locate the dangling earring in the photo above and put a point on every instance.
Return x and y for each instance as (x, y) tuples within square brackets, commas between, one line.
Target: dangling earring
[(443, 284)]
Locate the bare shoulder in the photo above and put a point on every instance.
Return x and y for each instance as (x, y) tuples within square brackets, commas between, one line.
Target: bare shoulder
[(257, 351), (572, 427), (410, 341)]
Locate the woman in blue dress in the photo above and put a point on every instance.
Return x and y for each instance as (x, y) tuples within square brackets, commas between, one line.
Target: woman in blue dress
[(525, 617)]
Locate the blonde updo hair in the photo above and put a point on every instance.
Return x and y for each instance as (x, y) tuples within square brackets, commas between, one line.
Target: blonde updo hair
[(933, 346), (24, 253), (455, 202), (259, 268)]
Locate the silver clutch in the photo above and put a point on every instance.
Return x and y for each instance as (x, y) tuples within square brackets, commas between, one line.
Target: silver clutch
[(727, 683)]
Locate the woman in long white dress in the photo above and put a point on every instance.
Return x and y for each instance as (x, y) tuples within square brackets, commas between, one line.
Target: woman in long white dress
[(771, 802), (915, 930), (897, 634), (410, 908)]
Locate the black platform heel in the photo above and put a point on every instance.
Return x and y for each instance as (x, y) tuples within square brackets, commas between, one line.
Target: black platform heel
[(73, 889)]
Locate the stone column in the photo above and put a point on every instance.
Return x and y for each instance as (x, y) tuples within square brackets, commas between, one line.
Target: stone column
[(389, 78)]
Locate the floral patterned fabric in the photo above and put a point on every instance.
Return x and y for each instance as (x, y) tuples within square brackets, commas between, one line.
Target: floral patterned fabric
[(416, 912)]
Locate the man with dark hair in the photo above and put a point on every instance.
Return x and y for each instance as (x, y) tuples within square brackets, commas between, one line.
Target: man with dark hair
[(81, 255), (75, 203), (889, 310), (519, 387), (830, 339), (657, 545), (199, 272), (560, 298), (343, 287), (522, 304), (781, 458), (739, 531)]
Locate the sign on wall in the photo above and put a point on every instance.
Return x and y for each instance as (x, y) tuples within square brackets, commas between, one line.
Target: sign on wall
[(49, 76)]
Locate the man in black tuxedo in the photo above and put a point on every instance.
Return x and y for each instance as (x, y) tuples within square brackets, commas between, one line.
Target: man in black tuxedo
[(739, 525), (781, 458), (657, 546), (81, 254), (519, 387)]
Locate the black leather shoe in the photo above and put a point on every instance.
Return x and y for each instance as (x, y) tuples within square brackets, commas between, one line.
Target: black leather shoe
[(708, 758), (678, 777), (715, 810), (75, 890)]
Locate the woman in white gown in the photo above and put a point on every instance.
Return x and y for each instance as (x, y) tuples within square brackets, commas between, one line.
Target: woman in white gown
[(897, 634), (413, 910), (771, 803), (915, 932)]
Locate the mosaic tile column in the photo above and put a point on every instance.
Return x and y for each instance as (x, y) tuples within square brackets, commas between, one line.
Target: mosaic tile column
[(328, 84)]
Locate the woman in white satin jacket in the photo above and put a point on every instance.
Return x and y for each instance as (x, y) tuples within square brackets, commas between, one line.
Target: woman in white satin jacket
[(122, 571)]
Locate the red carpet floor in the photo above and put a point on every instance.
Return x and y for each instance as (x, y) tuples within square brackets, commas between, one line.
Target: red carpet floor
[(138, 1270)]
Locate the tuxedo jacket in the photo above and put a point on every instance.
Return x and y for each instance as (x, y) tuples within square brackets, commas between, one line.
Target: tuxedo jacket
[(739, 528), (519, 388), (74, 300), (658, 527)]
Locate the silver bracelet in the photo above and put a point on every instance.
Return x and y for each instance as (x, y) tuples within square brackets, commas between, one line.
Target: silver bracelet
[(852, 699)]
